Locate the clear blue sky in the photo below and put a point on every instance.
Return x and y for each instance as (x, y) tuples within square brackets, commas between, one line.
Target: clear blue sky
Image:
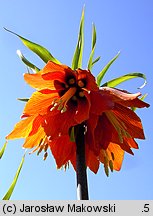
[(121, 25)]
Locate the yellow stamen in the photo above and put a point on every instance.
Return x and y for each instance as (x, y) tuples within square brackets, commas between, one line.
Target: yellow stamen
[(63, 110), (61, 103), (45, 156), (38, 146), (118, 125), (45, 147), (40, 149), (52, 108), (88, 91)]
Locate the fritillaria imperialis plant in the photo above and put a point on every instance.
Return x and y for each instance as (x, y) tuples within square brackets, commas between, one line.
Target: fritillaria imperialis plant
[(71, 113)]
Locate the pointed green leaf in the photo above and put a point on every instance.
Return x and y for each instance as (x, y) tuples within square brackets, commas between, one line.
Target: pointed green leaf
[(12, 186), (78, 54), (41, 51), (2, 150), (28, 63), (90, 61), (142, 98), (119, 80), (94, 36), (23, 99), (95, 61), (104, 70)]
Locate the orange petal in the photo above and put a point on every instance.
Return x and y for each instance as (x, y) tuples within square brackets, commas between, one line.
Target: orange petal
[(134, 103), (58, 75), (117, 158), (39, 103), (118, 155), (131, 120), (103, 132), (36, 81), (118, 94), (82, 112), (90, 136), (22, 128), (52, 67), (91, 161), (59, 124), (125, 146), (100, 102), (34, 140), (123, 97), (62, 149), (36, 124), (131, 142), (48, 91)]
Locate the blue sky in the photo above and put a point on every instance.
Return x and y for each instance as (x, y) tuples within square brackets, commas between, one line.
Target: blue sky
[(121, 25)]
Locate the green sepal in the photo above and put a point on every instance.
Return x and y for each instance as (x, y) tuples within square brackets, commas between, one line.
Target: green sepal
[(41, 51), (104, 70), (93, 46), (119, 80), (13, 184), (27, 62), (23, 99), (78, 54), (2, 150)]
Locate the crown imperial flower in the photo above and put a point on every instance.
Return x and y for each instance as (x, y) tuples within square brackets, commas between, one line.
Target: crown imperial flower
[(66, 98)]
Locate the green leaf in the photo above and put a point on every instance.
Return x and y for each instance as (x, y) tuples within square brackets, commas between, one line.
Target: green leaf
[(104, 70), (93, 46), (2, 150), (41, 51), (12, 186), (119, 80), (26, 62), (142, 98), (78, 54), (95, 61), (23, 99)]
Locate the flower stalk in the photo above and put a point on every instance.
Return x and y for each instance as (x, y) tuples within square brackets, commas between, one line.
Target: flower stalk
[(81, 169)]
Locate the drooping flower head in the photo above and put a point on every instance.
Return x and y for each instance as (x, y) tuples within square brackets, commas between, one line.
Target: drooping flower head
[(65, 98)]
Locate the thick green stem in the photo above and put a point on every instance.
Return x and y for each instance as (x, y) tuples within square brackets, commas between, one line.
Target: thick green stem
[(82, 185)]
